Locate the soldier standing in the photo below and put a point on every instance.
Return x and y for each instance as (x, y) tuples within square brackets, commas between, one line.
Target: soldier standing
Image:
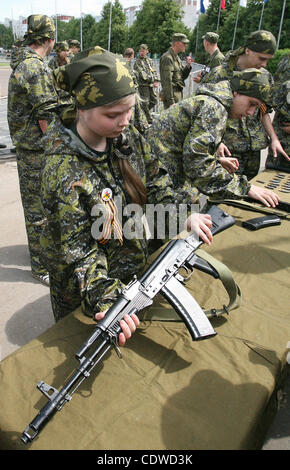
[(129, 55), (147, 79), (32, 104), (210, 41), (61, 57), (172, 72), (245, 138), (74, 47)]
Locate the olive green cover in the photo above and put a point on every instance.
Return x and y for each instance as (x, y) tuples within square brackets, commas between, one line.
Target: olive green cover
[(168, 392)]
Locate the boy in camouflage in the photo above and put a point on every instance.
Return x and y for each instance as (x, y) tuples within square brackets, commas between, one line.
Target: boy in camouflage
[(32, 104), (244, 139), (186, 137), (147, 79), (61, 57), (91, 162)]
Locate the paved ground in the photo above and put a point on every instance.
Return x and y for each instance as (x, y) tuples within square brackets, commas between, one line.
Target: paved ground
[(25, 310)]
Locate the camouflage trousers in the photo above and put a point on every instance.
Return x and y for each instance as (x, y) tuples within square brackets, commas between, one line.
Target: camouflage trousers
[(64, 293), (28, 166), (148, 100)]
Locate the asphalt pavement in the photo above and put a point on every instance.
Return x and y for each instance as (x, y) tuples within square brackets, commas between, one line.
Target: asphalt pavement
[(25, 309)]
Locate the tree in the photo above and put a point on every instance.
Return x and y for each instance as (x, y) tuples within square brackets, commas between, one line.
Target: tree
[(89, 27), (72, 29), (100, 36), (6, 37), (155, 24), (248, 21)]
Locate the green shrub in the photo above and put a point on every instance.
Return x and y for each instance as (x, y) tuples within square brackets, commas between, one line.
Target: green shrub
[(273, 63)]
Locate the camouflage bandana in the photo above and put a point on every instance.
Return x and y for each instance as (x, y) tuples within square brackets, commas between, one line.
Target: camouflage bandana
[(38, 27), (261, 41), (61, 46), (254, 83), (74, 43), (96, 77)]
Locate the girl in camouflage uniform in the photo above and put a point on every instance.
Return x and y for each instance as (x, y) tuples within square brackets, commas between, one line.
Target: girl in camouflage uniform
[(186, 137), (92, 161)]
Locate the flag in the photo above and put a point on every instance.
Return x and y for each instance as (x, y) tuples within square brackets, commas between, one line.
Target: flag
[(243, 3), (223, 4), (202, 9)]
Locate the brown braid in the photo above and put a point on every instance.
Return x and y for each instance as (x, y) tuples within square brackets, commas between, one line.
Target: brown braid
[(132, 182)]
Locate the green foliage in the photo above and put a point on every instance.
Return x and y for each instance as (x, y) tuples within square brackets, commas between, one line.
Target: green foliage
[(6, 37), (272, 64), (157, 20), (248, 21), (155, 24), (118, 29)]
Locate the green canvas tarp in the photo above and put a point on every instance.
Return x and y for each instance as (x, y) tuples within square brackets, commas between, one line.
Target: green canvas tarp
[(168, 392)]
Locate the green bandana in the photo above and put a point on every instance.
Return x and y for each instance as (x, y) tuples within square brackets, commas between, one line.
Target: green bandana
[(38, 27), (61, 46), (96, 77), (252, 82), (261, 41)]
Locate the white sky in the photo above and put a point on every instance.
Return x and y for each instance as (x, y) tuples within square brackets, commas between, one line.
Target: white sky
[(15, 8)]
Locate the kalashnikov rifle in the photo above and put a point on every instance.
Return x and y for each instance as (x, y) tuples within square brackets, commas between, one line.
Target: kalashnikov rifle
[(161, 277)]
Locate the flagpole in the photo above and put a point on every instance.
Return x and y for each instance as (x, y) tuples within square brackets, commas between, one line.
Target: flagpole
[(262, 12), (197, 28), (281, 22), (110, 24), (234, 38), (218, 23), (55, 22), (81, 26)]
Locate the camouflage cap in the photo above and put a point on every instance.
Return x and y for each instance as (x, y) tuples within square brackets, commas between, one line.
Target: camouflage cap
[(61, 46), (96, 77), (74, 43), (144, 46), (211, 37), (18, 42), (39, 27), (261, 41), (179, 37), (253, 82)]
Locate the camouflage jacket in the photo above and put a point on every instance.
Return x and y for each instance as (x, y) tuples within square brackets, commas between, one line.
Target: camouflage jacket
[(31, 97), (172, 74), (281, 76), (73, 179), (145, 72), (282, 114), (215, 59), (247, 133), (225, 70), (185, 138)]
